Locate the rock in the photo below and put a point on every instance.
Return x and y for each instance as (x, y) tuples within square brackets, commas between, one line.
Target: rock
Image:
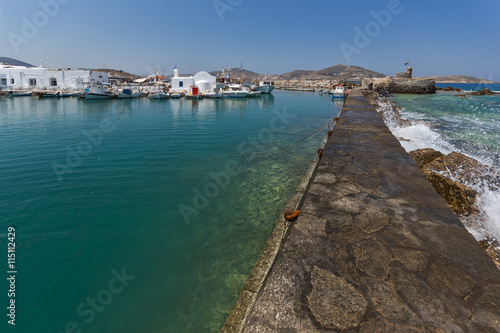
[(492, 248), (400, 85), (483, 92), (448, 174), (465, 169), (404, 75), (449, 89), (441, 170), (461, 95), (425, 156), (460, 197), (390, 112)]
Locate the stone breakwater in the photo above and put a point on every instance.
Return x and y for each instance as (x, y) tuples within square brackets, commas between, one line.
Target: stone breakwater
[(400, 85), (449, 175), (375, 248)]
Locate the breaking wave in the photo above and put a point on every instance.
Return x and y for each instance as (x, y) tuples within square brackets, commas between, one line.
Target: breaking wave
[(417, 132)]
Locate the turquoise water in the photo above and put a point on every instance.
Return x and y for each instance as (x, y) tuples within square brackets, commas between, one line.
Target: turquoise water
[(145, 216), (470, 126), (471, 86)]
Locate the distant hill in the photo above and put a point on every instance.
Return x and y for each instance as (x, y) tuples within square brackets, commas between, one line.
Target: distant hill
[(14, 62), (458, 79), (337, 72), (116, 73), (236, 73)]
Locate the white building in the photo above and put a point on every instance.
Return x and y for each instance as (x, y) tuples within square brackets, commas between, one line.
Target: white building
[(202, 80), (22, 77)]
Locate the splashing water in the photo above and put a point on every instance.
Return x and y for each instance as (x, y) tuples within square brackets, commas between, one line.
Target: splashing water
[(448, 124)]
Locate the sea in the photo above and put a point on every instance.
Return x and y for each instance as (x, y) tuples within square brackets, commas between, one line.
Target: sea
[(470, 126), (143, 215)]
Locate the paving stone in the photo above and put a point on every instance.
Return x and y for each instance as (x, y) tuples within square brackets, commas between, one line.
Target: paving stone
[(334, 302)]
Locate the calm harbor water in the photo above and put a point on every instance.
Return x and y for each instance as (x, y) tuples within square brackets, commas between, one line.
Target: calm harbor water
[(145, 216), (466, 125)]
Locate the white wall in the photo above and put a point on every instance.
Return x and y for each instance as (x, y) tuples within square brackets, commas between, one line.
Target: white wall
[(187, 82), (34, 77)]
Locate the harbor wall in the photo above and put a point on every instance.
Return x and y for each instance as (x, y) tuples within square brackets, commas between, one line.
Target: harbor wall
[(375, 248)]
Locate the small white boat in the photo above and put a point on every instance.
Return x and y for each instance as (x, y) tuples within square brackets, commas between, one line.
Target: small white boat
[(254, 94), (339, 92), (212, 94), (158, 95), (265, 87), (175, 95), (98, 91), (49, 94), (18, 93), (128, 93), (235, 91)]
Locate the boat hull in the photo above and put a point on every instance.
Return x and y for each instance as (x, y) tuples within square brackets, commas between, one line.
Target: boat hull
[(238, 94), (98, 96), (159, 96), (266, 89)]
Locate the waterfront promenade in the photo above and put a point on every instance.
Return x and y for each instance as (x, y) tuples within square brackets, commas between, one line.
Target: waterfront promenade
[(375, 249)]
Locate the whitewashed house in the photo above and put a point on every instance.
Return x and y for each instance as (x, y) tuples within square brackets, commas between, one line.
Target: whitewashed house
[(24, 77), (201, 80)]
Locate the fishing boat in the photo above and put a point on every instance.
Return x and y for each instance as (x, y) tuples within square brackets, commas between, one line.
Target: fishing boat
[(128, 93), (212, 94), (265, 87), (49, 94), (18, 93), (339, 92), (158, 95), (235, 91), (175, 95), (98, 91)]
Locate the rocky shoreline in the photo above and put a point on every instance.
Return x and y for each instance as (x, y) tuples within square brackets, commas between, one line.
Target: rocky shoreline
[(448, 174)]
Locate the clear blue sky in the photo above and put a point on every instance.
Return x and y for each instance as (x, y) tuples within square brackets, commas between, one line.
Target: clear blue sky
[(269, 37)]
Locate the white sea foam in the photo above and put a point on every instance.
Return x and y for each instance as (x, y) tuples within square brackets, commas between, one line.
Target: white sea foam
[(419, 134)]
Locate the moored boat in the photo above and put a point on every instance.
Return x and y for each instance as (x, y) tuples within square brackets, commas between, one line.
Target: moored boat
[(265, 87), (235, 91), (98, 91), (339, 92), (212, 94), (254, 94), (18, 93), (128, 93), (158, 95)]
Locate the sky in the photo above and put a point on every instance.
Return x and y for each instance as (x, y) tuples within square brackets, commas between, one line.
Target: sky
[(269, 37)]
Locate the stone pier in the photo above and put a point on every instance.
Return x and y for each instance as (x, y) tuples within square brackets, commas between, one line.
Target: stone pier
[(375, 249)]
